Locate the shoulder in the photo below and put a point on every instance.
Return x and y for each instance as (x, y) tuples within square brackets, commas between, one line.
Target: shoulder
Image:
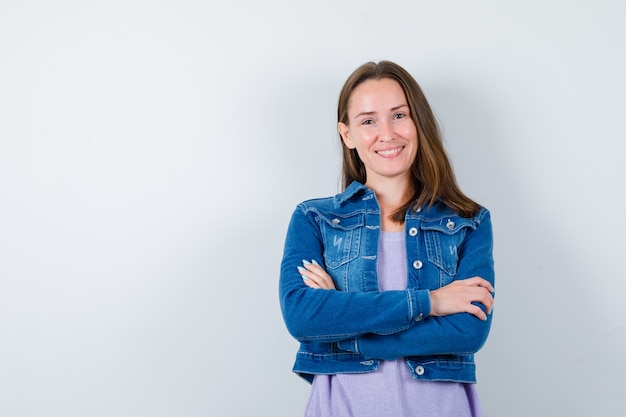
[(344, 201), (317, 204)]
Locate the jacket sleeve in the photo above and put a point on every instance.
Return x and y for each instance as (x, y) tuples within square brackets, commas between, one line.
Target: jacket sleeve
[(330, 315), (461, 333)]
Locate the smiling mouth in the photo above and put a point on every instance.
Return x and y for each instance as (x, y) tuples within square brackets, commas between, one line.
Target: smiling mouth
[(390, 152)]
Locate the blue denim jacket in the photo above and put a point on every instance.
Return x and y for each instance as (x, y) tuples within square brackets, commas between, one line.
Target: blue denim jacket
[(350, 330)]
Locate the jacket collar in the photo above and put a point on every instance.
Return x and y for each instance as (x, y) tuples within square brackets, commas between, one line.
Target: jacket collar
[(353, 189), (356, 188)]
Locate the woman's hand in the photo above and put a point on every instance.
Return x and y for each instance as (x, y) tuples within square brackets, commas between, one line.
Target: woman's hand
[(314, 275), (458, 296)]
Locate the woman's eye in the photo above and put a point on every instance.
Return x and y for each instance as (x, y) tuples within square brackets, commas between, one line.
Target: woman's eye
[(367, 122), (399, 116)]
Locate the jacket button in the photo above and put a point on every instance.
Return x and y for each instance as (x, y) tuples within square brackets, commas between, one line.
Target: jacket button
[(417, 264), (450, 225), (413, 231), (420, 317), (419, 370), (335, 221)]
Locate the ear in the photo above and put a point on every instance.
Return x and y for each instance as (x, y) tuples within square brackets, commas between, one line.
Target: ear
[(344, 131)]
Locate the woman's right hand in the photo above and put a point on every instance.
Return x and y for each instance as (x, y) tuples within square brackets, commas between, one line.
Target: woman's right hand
[(458, 296), (315, 276)]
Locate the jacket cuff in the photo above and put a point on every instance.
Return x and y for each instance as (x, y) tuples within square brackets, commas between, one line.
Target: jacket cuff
[(349, 345), (419, 304)]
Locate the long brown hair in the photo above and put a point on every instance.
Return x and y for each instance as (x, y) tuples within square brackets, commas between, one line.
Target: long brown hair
[(433, 177)]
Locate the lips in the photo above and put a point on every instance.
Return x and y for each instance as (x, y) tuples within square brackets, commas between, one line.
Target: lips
[(390, 153)]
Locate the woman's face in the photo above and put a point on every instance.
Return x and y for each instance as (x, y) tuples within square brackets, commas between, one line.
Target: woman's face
[(381, 130)]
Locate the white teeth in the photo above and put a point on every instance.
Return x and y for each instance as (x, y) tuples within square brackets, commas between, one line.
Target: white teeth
[(389, 152)]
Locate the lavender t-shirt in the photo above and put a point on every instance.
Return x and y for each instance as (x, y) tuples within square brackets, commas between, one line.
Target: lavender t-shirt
[(391, 390)]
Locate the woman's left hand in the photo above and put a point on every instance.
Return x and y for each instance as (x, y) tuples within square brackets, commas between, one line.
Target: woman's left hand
[(315, 276)]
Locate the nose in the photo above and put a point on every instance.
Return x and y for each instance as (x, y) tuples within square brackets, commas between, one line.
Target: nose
[(386, 132)]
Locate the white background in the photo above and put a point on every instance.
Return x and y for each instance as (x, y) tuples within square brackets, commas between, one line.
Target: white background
[(151, 153)]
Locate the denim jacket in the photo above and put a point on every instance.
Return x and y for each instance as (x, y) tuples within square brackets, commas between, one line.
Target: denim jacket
[(352, 329)]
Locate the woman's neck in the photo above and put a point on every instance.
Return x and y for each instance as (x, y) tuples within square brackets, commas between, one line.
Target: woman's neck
[(391, 195)]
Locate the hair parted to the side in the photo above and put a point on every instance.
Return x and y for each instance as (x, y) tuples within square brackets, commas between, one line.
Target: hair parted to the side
[(433, 177)]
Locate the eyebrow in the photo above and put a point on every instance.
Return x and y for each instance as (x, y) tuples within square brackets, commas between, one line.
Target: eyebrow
[(369, 113)]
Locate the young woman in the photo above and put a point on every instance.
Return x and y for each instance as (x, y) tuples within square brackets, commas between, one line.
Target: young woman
[(388, 286)]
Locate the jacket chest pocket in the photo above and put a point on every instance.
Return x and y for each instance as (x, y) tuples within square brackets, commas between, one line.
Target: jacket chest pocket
[(443, 239), (341, 237)]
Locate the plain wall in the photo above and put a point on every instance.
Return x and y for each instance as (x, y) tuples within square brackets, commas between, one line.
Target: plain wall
[(151, 153)]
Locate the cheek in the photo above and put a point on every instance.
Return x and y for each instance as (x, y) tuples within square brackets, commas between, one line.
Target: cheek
[(415, 139), (411, 134), (364, 139)]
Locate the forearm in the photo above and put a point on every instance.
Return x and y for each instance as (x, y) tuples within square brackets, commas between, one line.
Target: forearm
[(457, 334), (330, 315)]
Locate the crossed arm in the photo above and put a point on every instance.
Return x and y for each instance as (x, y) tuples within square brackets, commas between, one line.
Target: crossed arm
[(456, 318), (458, 321), (456, 297)]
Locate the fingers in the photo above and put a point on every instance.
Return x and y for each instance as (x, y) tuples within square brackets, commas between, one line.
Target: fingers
[(315, 276), (478, 312), (486, 297), (481, 292), (480, 282), (463, 296)]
